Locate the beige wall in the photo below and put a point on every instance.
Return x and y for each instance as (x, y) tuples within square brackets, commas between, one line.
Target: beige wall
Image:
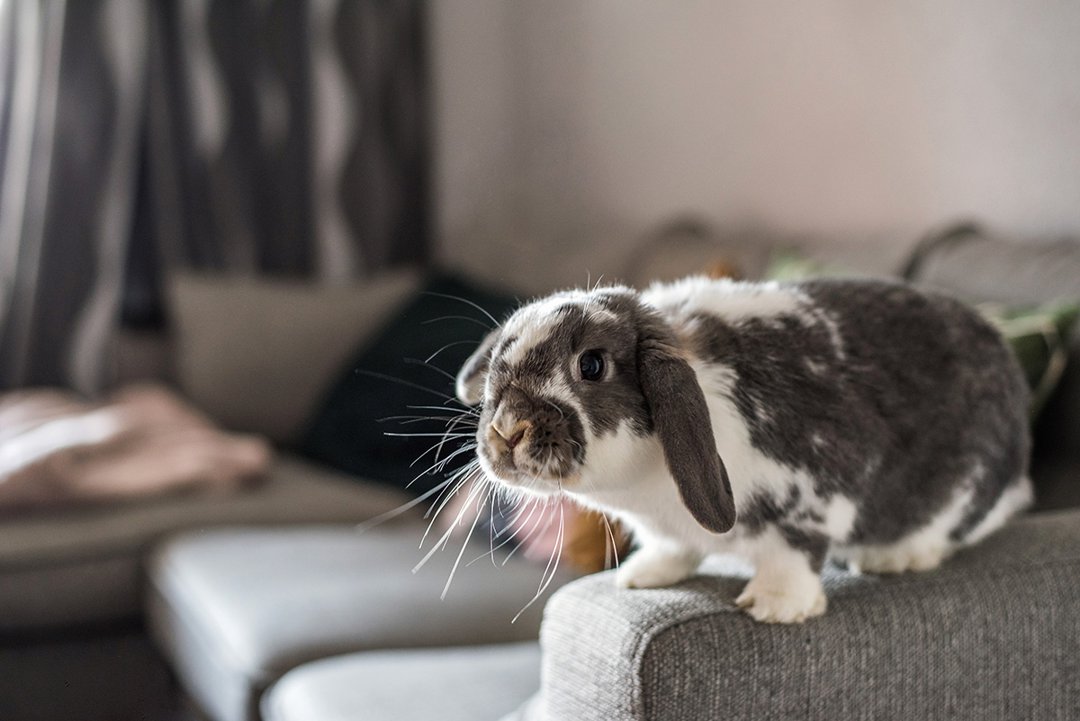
[(567, 127)]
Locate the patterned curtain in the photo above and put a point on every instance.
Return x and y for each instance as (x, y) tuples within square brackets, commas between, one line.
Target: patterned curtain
[(70, 119), (251, 136), (288, 136)]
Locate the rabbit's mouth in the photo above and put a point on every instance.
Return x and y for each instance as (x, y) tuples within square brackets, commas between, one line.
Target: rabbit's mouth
[(531, 443), (532, 468)]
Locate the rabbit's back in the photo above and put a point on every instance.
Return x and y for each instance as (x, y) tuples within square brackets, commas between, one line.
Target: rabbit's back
[(906, 406)]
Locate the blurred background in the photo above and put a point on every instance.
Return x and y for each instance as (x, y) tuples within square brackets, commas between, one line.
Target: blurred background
[(214, 213), (561, 126), (524, 143)]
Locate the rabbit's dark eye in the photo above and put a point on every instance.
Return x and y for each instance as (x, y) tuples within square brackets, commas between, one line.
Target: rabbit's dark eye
[(591, 364)]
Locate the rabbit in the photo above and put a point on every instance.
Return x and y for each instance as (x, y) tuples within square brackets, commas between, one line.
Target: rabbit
[(863, 421)]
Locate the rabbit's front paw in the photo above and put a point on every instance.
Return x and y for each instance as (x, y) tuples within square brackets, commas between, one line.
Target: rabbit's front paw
[(652, 568), (792, 602)]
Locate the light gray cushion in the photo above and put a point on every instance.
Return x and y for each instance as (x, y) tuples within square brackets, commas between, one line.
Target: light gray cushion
[(461, 684), (256, 354), (82, 565), (994, 633), (235, 609)]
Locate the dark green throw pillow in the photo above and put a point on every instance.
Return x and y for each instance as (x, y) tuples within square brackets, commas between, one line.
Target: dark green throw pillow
[(1040, 337), (409, 364)]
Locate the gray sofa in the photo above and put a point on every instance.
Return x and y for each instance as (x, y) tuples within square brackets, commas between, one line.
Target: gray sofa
[(295, 616)]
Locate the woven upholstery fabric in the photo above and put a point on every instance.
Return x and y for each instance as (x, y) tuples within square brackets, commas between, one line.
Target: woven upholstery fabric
[(993, 634), (458, 684)]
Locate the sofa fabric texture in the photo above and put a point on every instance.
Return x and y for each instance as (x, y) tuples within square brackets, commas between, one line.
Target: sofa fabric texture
[(235, 609), (994, 633), (458, 684)]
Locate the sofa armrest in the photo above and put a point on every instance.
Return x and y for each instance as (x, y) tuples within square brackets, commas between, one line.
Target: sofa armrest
[(994, 633)]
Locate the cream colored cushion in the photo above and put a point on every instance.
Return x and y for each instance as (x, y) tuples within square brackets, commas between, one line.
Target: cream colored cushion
[(233, 610), (256, 354)]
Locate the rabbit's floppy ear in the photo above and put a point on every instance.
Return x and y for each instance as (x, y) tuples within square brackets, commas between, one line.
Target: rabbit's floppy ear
[(681, 420), (470, 379)]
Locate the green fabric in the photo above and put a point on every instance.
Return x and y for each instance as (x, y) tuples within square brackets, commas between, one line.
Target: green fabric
[(1039, 335), (1040, 338), (789, 265)]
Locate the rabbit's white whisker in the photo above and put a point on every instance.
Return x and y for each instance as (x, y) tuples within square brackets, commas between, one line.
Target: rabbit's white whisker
[(462, 480), (491, 524), (531, 505), (448, 345), (457, 561), (532, 532), (408, 420), (510, 530), (466, 411), (438, 465), (441, 543), (383, 517), (553, 404), (465, 301), (429, 366), (450, 426), (383, 376), (483, 325), (610, 538), (459, 479), (556, 556)]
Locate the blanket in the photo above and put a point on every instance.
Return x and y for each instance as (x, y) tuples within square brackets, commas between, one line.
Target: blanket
[(57, 449)]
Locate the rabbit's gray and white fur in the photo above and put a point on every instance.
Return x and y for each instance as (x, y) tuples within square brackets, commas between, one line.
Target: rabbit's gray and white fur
[(785, 423)]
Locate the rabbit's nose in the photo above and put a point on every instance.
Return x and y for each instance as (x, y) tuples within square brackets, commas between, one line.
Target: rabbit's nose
[(511, 436)]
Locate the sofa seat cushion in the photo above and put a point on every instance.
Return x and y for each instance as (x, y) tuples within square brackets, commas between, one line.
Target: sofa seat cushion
[(461, 684), (234, 610), (78, 566)]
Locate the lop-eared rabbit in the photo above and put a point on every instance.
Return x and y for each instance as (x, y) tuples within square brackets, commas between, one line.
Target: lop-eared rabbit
[(783, 422)]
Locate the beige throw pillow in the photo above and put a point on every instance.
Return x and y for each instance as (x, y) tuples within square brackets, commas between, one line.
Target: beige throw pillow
[(257, 354)]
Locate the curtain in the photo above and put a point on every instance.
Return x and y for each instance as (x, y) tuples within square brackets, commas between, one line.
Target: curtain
[(283, 137), (71, 104), (288, 136)]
